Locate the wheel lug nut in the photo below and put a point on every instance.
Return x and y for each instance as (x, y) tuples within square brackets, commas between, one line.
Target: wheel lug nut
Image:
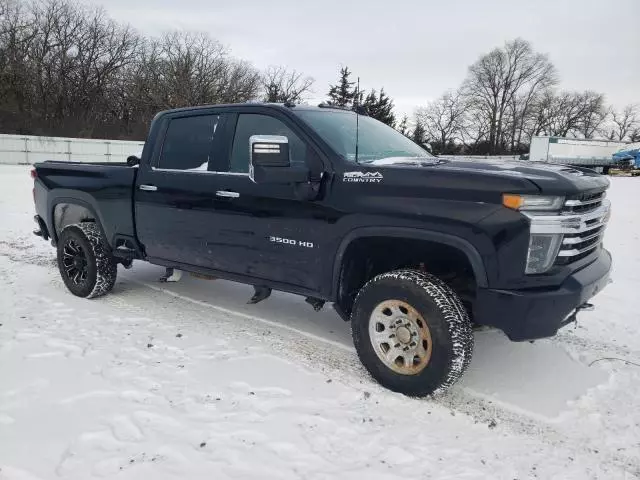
[(396, 345), (393, 335)]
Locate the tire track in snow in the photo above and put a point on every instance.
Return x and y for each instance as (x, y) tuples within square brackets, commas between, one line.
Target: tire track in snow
[(480, 407), (334, 359)]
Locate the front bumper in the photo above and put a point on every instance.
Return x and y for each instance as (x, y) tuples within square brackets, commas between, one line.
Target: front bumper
[(538, 313)]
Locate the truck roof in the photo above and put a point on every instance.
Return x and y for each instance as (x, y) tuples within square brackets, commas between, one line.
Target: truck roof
[(279, 106)]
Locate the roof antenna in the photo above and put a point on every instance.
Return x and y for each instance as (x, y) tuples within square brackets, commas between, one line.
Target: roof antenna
[(357, 108)]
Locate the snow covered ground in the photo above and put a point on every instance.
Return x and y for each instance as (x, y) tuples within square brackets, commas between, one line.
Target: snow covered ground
[(186, 381)]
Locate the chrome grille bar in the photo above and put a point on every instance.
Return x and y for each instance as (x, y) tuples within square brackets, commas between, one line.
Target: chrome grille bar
[(574, 240), (578, 251), (584, 204), (582, 231), (577, 203), (571, 222)]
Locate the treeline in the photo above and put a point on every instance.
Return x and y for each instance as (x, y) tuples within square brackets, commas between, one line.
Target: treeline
[(69, 70), (509, 95)]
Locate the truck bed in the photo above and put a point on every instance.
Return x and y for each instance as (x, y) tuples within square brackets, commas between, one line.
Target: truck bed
[(100, 164), (105, 189)]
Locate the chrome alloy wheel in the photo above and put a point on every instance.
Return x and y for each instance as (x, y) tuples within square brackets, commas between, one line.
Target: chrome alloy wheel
[(400, 337)]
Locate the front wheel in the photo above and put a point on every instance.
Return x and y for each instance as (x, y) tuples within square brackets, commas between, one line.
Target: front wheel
[(411, 332), (85, 262)]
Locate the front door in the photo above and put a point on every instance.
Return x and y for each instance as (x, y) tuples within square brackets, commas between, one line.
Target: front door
[(267, 231)]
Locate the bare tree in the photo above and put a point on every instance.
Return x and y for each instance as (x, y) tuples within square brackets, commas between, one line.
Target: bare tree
[(17, 34), (505, 76), (281, 85), (625, 122), (66, 69), (593, 113), (403, 127), (577, 114), (443, 120)]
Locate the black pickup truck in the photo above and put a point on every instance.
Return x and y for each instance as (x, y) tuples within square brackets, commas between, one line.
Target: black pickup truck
[(414, 250)]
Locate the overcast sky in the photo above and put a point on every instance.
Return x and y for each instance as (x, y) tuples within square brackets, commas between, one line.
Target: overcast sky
[(416, 49)]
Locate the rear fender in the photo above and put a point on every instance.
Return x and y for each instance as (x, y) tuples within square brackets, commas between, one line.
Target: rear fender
[(66, 211)]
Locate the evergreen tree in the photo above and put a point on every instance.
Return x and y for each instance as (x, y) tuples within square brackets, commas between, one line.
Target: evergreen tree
[(343, 93), (379, 107), (369, 103), (419, 133), (402, 128), (384, 109)]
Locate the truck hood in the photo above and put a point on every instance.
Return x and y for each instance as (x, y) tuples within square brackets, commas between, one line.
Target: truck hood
[(550, 179)]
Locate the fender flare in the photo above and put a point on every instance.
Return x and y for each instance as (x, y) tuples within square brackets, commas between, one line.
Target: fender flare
[(64, 199), (461, 244)]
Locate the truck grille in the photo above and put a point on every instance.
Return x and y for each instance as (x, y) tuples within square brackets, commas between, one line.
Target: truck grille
[(583, 203), (590, 230)]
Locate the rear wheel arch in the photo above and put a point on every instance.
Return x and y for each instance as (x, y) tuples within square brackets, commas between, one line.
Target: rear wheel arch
[(70, 211), (349, 274)]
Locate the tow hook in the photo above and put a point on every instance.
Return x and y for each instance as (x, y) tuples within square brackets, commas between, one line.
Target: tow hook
[(587, 307)]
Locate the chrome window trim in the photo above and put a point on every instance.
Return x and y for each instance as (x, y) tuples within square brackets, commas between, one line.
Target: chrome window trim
[(202, 172)]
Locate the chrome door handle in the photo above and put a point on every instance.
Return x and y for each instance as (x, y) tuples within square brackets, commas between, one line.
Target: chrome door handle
[(227, 194), (148, 188)]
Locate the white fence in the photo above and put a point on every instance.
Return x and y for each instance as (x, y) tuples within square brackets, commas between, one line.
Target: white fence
[(28, 149)]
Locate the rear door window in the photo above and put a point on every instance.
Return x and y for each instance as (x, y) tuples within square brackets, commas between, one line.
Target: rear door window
[(189, 144)]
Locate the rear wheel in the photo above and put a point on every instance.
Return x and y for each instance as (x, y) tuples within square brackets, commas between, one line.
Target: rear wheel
[(411, 332), (85, 262)]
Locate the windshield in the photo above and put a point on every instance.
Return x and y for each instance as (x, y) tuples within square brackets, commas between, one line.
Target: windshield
[(376, 141)]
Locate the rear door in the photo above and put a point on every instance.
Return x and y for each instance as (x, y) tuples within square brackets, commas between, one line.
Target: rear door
[(175, 194)]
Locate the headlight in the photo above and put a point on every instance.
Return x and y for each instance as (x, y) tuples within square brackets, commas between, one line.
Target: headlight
[(532, 202), (543, 249)]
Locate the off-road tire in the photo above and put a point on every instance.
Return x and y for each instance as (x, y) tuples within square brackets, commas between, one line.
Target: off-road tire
[(446, 319), (101, 267)]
